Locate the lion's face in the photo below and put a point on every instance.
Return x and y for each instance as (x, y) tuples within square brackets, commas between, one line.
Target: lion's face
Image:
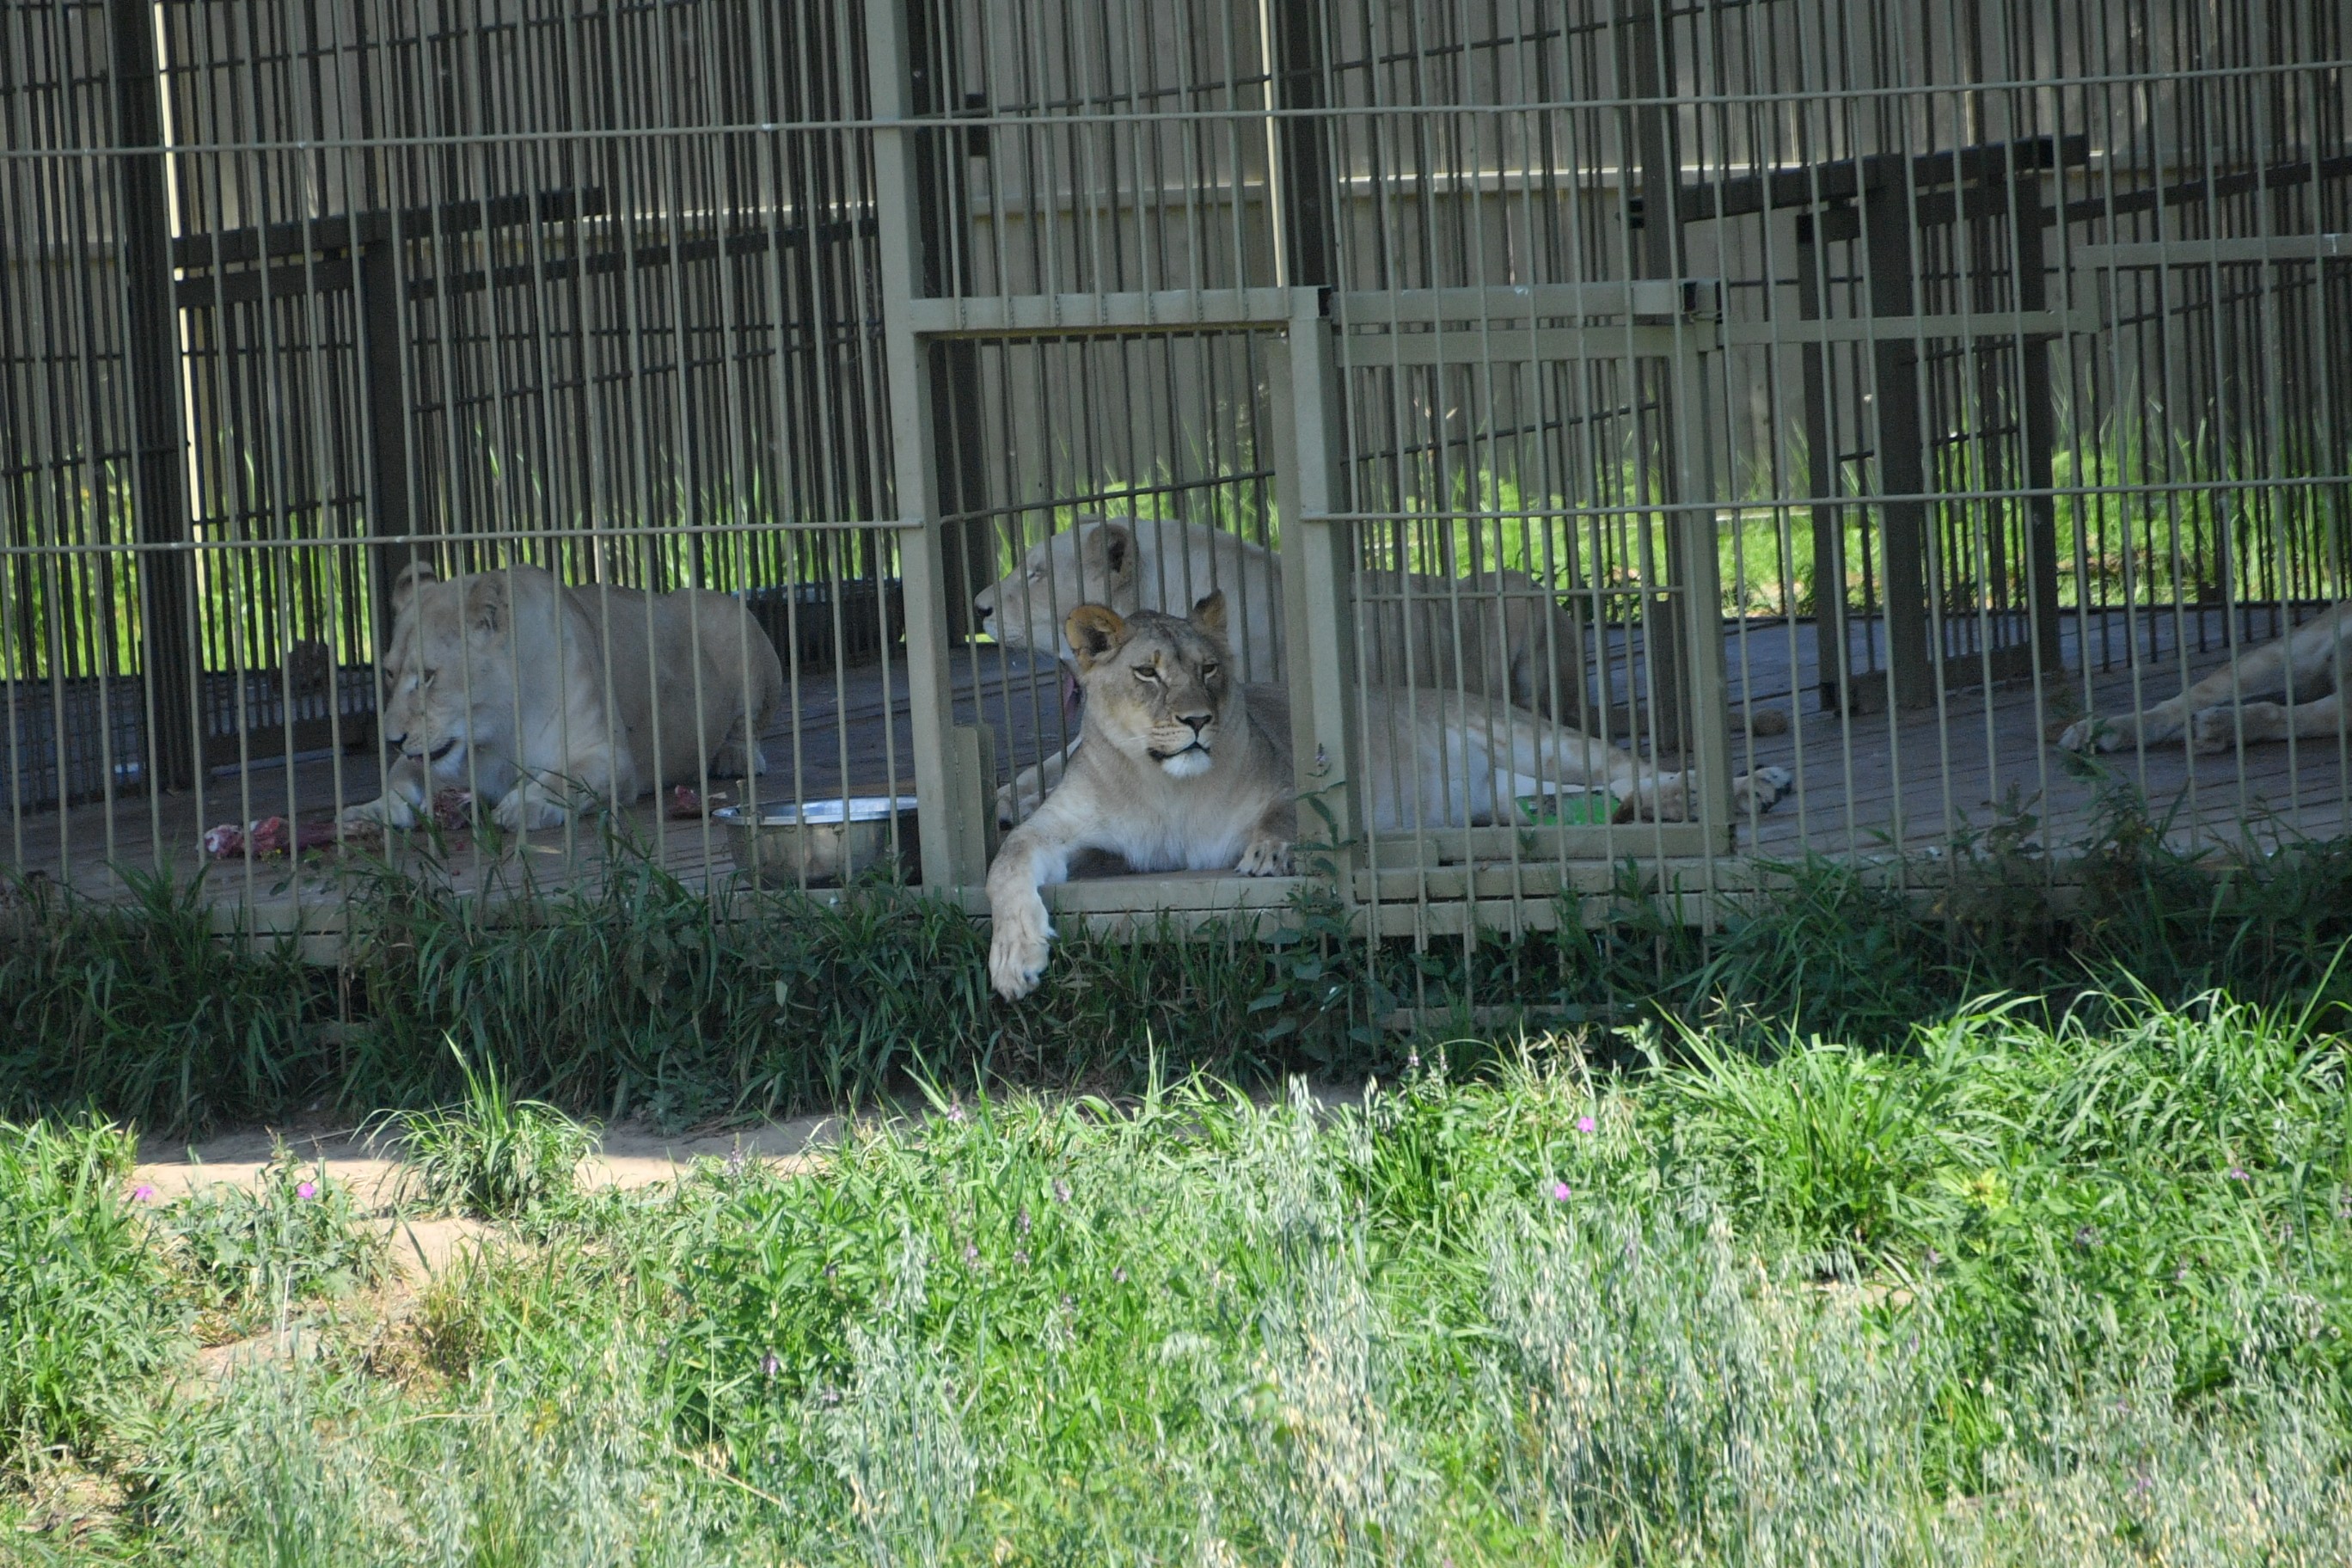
[(1092, 564), (1156, 686), (447, 676)]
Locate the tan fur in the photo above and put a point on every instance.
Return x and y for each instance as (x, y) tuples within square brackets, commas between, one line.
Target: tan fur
[(504, 675), (2304, 668), (1488, 633), (1186, 768)]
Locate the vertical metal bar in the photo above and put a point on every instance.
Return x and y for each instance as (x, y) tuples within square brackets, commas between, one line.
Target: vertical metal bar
[(159, 462), (1887, 238), (956, 810), (938, 179), (1320, 625)]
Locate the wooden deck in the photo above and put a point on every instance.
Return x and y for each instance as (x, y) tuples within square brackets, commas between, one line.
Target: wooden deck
[(1864, 786)]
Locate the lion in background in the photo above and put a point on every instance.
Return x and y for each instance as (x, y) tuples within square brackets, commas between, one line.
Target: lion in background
[(1185, 767), (2303, 668), (546, 700), (1491, 633)]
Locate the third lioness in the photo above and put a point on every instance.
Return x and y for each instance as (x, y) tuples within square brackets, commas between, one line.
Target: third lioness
[(1185, 767), (2305, 669)]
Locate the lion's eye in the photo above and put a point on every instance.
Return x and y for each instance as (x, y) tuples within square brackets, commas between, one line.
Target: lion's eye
[(1148, 674), (1208, 669), (1036, 573)]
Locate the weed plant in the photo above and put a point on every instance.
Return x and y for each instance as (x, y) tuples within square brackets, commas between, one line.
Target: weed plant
[(491, 1155), (252, 1253)]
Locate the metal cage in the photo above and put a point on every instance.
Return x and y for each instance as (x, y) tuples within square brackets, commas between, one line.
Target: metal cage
[(1875, 393)]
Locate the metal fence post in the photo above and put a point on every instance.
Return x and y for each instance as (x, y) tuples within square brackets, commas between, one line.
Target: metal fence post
[(152, 362), (957, 805), (1320, 625)]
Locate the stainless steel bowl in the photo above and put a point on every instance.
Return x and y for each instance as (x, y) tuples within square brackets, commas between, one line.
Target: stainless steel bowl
[(821, 844)]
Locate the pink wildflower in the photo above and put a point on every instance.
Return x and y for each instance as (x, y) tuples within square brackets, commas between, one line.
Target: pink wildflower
[(307, 1191), (1585, 1124), (142, 1193), (1560, 1192)]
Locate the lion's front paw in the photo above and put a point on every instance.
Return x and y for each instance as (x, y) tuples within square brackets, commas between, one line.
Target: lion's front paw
[(1015, 806), (1265, 857), (526, 807), (1660, 798), (1762, 790), (393, 809), (2093, 733), (1017, 948)]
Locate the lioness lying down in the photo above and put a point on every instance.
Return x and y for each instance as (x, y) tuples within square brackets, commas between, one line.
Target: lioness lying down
[(2302, 667), (1491, 633), (1185, 768), (496, 682)]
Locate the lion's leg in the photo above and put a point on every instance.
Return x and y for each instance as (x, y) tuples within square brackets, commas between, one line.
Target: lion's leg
[(2277, 670), (532, 805), (1033, 857), (738, 755), (544, 799), (2220, 729), (1267, 853)]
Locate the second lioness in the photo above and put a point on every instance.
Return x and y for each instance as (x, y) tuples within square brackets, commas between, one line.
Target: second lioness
[(1491, 633), (1185, 768)]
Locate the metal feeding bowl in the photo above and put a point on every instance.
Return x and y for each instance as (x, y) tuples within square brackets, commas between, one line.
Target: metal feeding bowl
[(821, 842)]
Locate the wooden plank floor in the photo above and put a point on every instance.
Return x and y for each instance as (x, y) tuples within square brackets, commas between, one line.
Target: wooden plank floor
[(1864, 785)]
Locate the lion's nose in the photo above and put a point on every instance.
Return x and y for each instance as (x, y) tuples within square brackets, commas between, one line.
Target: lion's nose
[(1198, 721)]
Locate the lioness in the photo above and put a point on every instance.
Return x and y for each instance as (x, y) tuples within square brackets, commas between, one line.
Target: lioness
[(1186, 768), (1491, 633), (2304, 668), (497, 683)]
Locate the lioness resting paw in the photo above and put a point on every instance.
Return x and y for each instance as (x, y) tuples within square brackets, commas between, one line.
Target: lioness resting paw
[(496, 682), (1185, 768), (2303, 669)]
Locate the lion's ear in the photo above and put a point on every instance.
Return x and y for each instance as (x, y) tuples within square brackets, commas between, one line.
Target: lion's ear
[(1095, 633), (1105, 550), (485, 601), (404, 588), (1209, 614)]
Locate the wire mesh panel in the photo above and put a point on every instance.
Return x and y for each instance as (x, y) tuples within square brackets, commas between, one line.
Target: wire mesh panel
[(556, 284), (2056, 455)]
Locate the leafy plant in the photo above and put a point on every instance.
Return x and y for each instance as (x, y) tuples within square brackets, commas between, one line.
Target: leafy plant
[(292, 1235)]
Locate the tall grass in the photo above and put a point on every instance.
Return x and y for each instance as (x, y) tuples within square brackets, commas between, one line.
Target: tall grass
[(82, 1307), (638, 998), (1962, 1304)]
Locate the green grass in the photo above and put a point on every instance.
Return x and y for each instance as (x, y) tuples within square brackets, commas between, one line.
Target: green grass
[(81, 1284), (2012, 1293), (251, 1254), (491, 1155), (637, 999)]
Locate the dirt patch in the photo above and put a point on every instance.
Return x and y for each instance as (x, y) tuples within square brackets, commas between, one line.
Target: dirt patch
[(371, 1171), (627, 1156)]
